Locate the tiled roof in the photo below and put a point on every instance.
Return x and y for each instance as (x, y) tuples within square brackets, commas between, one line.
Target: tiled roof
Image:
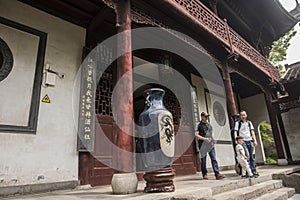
[(292, 73)]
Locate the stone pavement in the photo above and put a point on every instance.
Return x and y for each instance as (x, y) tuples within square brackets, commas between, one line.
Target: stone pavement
[(187, 187)]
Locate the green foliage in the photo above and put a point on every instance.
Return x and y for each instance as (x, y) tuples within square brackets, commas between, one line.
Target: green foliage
[(279, 48), (270, 160), (265, 127), (266, 138), (268, 142)]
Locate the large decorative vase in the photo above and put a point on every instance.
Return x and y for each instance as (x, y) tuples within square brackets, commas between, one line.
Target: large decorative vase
[(156, 143)]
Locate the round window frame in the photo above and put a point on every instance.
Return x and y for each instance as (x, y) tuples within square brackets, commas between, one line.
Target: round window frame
[(218, 104), (7, 60)]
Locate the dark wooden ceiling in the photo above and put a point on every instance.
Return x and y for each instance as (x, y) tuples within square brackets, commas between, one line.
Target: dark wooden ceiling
[(244, 87), (256, 20), (80, 12)]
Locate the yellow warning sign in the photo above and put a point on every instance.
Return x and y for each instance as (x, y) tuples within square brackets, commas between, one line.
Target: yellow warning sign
[(46, 99)]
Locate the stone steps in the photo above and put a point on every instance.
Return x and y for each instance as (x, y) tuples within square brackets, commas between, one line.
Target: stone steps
[(280, 194), (212, 188), (237, 184), (262, 188), (295, 197), (250, 192)]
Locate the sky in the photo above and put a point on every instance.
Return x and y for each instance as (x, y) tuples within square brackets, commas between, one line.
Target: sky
[(293, 52)]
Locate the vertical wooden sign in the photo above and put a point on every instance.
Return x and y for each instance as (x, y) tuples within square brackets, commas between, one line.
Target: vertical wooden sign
[(86, 126)]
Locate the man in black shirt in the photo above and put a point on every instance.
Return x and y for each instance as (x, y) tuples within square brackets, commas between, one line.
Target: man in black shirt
[(206, 145)]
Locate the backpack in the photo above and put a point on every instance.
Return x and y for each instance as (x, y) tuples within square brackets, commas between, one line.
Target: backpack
[(240, 124)]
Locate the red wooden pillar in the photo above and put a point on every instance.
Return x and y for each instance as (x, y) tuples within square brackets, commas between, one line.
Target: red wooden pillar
[(85, 168), (231, 106), (273, 120), (124, 107)]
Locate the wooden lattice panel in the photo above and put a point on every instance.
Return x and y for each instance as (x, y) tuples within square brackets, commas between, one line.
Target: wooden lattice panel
[(103, 94), (172, 105)]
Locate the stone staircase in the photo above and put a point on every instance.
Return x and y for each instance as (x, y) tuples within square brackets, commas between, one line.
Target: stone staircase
[(295, 197), (268, 186), (271, 189), (262, 188)]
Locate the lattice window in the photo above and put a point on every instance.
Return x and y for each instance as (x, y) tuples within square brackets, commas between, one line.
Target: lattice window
[(104, 93), (172, 105)]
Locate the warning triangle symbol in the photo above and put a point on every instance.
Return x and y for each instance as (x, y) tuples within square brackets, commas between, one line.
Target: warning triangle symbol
[(46, 99)]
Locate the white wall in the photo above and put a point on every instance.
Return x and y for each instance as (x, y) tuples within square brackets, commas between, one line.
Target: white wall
[(257, 112), (291, 121), (25, 54), (51, 152), (225, 153)]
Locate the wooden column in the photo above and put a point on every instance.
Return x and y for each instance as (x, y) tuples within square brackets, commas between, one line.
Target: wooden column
[(231, 106), (273, 120), (124, 107), (284, 138)]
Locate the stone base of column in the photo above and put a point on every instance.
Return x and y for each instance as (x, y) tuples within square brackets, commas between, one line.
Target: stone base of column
[(124, 183), (282, 162), (160, 180)]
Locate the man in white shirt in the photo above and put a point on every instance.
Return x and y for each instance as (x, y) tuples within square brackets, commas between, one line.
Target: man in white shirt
[(245, 129)]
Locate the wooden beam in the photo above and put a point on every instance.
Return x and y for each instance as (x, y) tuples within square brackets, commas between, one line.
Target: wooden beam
[(285, 99)]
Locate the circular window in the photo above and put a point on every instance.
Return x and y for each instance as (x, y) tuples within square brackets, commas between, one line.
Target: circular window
[(219, 113), (6, 60)]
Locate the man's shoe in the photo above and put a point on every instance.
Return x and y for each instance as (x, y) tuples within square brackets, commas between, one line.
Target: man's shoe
[(253, 176), (205, 177), (256, 174), (244, 176), (220, 176)]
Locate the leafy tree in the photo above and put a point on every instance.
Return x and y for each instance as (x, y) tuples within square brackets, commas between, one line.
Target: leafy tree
[(279, 48), (268, 142)]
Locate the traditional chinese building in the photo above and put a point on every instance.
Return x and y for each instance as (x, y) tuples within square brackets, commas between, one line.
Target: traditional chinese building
[(43, 43), (287, 109)]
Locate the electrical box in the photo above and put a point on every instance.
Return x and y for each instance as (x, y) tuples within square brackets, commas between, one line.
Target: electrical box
[(50, 79)]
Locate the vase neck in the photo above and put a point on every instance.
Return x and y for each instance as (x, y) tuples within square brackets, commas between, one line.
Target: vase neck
[(157, 104), (155, 101)]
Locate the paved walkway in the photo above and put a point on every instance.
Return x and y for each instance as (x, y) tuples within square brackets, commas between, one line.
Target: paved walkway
[(191, 184)]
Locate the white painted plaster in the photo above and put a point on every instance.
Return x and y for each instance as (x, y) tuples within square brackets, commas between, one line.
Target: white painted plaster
[(15, 105), (50, 154)]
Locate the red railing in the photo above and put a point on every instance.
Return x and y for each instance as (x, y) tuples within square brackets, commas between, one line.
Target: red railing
[(219, 28)]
